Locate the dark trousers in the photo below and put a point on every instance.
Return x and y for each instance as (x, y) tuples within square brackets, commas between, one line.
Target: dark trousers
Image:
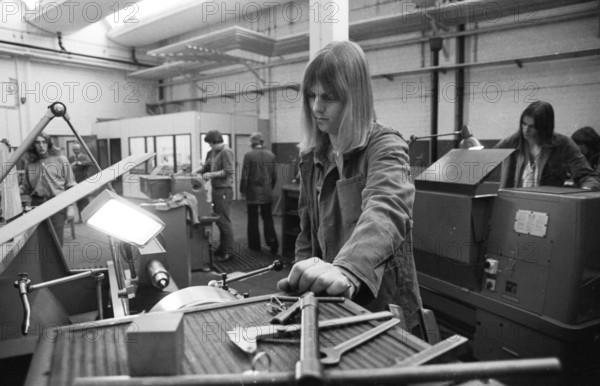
[(221, 199), (57, 220), (81, 204), (268, 227)]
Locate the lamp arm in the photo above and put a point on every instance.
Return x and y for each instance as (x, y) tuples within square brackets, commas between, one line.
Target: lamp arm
[(85, 147), (120, 272), (414, 138)]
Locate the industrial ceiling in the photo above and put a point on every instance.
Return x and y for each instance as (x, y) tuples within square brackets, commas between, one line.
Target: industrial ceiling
[(236, 47)]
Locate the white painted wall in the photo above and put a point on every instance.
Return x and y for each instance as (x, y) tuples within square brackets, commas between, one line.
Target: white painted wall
[(32, 79)]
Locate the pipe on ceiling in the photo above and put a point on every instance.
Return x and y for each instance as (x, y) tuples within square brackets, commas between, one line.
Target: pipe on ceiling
[(69, 53), (399, 43)]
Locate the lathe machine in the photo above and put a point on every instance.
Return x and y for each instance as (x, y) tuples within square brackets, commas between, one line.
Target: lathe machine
[(515, 270)]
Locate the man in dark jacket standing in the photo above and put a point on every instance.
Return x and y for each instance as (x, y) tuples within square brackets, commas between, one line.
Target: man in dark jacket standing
[(257, 183)]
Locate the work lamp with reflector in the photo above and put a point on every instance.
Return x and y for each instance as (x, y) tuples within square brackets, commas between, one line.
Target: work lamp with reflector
[(120, 218), (468, 141)]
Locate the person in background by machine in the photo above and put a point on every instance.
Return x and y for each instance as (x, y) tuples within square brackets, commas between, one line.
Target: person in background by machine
[(356, 193), (588, 141), (219, 169), (80, 164), (47, 174), (258, 180), (544, 157)]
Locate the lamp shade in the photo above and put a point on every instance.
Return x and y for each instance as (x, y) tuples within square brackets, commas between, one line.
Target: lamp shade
[(469, 141), (112, 214)]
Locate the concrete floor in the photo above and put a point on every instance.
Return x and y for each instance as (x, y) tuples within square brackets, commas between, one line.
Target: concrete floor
[(258, 285)]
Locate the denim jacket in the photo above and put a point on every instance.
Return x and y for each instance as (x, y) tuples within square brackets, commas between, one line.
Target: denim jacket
[(369, 234), (560, 160), (217, 161)]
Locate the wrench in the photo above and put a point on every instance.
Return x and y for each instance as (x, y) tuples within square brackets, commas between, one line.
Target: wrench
[(332, 355), (245, 337)]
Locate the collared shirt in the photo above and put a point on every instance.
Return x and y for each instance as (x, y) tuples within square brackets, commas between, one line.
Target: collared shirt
[(48, 177), (531, 176), (325, 177)]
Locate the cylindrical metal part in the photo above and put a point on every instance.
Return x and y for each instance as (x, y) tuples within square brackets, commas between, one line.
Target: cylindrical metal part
[(26, 314), (61, 280), (99, 276), (322, 299), (158, 274), (129, 251), (224, 281), (446, 372), (309, 371), (23, 285), (386, 376), (117, 263), (276, 266)]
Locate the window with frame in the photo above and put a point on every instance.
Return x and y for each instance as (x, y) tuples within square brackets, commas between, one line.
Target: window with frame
[(172, 153)]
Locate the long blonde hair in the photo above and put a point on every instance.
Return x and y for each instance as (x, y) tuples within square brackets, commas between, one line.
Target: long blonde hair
[(342, 69)]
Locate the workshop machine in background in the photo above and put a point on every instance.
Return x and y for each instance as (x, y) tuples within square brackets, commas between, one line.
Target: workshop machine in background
[(515, 270), (190, 192)]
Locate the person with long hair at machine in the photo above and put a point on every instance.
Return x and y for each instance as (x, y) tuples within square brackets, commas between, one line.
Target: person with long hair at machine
[(356, 193), (544, 157), (588, 141)]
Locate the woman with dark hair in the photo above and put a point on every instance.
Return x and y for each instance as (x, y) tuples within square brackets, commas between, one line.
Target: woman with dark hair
[(544, 157), (588, 141), (356, 194), (47, 174)]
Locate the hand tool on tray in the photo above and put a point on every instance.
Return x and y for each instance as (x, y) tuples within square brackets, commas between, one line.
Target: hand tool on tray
[(285, 316), (309, 371), (225, 281), (334, 354), (245, 337), (433, 352)]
